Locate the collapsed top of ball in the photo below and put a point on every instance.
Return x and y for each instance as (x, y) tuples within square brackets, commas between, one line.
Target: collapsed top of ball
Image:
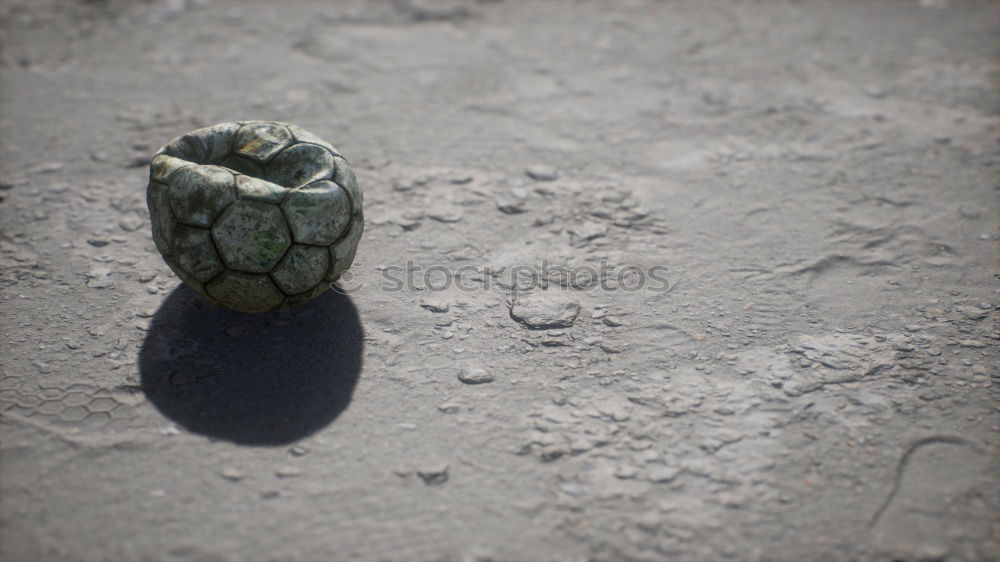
[(254, 215)]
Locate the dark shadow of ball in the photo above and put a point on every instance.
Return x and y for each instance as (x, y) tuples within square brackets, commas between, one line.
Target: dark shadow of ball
[(252, 379)]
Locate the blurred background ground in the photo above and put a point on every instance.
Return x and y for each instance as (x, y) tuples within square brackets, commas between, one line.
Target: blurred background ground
[(818, 383)]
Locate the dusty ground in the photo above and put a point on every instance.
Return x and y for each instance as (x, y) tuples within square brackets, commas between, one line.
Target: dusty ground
[(818, 383)]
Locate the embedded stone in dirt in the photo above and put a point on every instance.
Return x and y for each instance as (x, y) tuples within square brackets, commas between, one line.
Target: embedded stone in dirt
[(541, 172), (434, 305), (476, 375), (434, 475), (541, 311)]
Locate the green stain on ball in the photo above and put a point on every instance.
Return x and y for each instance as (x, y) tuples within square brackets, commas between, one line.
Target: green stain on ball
[(254, 215)]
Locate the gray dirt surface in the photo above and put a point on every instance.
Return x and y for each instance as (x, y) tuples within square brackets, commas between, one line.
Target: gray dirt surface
[(819, 382)]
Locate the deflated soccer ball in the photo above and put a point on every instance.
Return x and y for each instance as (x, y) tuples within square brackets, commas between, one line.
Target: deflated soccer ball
[(254, 215)]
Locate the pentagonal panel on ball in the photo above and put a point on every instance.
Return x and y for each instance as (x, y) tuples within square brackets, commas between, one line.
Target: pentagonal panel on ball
[(163, 166), (300, 164), (300, 298), (301, 269), (195, 254), (184, 276), (207, 145), (198, 194), (246, 292), (317, 214), (344, 177), (260, 140), (161, 216), (342, 253), (217, 141), (251, 235), (243, 165), (259, 190)]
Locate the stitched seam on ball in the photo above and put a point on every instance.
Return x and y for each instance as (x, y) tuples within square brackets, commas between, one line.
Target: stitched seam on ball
[(291, 243), (211, 232), (276, 284), (214, 277)]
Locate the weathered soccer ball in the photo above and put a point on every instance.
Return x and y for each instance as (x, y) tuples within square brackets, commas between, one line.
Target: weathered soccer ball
[(254, 215)]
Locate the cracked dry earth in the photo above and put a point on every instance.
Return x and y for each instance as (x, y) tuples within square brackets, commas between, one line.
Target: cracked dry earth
[(818, 382)]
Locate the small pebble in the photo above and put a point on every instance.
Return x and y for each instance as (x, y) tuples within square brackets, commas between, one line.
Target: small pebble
[(233, 475), (130, 222), (542, 311), (612, 321), (541, 172), (511, 207), (969, 212), (972, 343), (434, 475), (434, 305), (660, 474), (448, 408), (476, 375), (447, 215)]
